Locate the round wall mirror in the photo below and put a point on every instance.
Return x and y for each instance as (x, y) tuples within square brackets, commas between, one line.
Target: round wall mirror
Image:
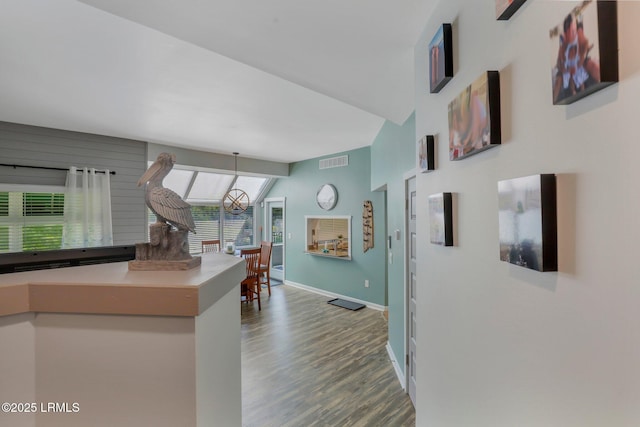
[(327, 197)]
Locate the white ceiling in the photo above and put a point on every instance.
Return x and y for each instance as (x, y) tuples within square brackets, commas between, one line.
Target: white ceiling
[(281, 80)]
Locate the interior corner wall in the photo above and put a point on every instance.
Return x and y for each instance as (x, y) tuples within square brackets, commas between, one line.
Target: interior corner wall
[(330, 274), (393, 155), (498, 344)]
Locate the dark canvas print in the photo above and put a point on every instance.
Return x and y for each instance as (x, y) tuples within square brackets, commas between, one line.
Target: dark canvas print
[(441, 219), (527, 222), (506, 8), (425, 154), (584, 51), (440, 59), (474, 117)]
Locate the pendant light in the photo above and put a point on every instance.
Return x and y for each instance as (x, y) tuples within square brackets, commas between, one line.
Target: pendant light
[(235, 200)]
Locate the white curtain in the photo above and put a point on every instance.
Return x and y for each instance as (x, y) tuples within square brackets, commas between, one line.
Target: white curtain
[(87, 209)]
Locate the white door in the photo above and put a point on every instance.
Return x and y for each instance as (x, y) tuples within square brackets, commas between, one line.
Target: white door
[(410, 258), (275, 232)]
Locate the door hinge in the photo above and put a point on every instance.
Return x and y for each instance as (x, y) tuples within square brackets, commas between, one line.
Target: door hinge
[(407, 359)]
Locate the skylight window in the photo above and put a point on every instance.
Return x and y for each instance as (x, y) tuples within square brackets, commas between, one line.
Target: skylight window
[(178, 180), (198, 187), (252, 185), (209, 187)]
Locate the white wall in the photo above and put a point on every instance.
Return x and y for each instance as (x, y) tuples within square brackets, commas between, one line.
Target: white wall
[(17, 368), (499, 345)]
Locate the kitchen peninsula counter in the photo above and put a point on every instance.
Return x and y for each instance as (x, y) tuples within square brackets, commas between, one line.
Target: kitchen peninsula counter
[(130, 348)]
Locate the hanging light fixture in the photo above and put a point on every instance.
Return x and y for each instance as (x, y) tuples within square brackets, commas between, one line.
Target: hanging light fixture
[(235, 200)]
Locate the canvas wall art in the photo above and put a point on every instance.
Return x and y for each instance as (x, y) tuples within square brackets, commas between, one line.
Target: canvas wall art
[(441, 219), (584, 51), (506, 8), (527, 222), (474, 117), (440, 58), (425, 153)]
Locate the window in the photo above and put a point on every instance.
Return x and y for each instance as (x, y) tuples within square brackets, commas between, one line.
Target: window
[(204, 191), (239, 228), (31, 220), (207, 220), (201, 187), (209, 225)]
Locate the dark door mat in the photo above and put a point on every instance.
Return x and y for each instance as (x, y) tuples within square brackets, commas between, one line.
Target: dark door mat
[(346, 304)]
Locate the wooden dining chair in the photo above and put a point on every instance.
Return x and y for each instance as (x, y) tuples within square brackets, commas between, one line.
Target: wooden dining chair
[(265, 265), (250, 286), (210, 246)]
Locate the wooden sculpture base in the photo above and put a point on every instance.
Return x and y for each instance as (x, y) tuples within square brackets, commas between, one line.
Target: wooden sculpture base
[(168, 250)]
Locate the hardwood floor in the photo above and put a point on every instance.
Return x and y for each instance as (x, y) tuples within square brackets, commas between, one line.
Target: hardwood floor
[(309, 363)]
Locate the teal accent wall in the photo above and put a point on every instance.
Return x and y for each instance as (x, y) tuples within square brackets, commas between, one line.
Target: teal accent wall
[(393, 154), (354, 187)]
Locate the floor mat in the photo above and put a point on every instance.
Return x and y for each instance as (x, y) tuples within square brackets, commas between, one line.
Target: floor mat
[(346, 304)]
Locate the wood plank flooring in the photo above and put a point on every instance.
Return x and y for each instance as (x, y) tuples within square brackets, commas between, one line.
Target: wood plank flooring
[(309, 363)]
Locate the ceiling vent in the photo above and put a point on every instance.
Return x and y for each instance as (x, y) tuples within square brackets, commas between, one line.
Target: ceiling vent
[(334, 162)]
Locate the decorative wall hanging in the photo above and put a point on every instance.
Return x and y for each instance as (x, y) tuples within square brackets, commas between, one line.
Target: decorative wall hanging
[(440, 58), (506, 8), (474, 117), (441, 219), (527, 222), (584, 51), (235, 201), (425, 154), (367, 225)]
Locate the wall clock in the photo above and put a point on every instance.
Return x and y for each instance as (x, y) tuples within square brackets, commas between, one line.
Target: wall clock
[(327, 197)]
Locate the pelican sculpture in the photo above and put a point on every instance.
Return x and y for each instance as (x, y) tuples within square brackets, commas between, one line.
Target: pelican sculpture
[(164, 203)]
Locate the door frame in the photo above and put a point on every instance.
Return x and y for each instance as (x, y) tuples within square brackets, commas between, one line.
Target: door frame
[(267, 222), (407, 176)]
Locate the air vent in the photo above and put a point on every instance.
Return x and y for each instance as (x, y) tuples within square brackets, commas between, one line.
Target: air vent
[(334, 162)]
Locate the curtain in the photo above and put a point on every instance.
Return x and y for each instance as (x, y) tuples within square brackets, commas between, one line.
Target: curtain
[(87, 209)]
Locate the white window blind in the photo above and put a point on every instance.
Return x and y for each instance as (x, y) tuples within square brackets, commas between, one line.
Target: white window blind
[(31, 219), (207, 220), (239, 228), (330, 229)]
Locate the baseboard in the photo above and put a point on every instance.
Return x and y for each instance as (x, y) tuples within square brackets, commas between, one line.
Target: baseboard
[(396, 367), (333, 295)]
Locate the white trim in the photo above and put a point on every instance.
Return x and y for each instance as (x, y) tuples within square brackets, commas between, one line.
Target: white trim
[(265, 208), (396, 366), (333, 295), (412, 174)]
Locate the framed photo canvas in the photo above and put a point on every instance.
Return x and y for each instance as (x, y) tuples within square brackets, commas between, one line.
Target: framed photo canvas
[(474, 117), (506, 8), (527, 222), (584, 51), (425, 154), (440, 58), (441, 219)]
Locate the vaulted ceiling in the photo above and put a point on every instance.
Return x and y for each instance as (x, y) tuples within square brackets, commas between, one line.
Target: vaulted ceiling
[(282, 80)]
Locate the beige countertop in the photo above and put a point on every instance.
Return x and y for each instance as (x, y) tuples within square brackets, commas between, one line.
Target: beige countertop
[(113, 289)]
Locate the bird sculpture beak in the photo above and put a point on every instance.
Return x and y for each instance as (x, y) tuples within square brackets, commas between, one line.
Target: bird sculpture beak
[(153, 169)]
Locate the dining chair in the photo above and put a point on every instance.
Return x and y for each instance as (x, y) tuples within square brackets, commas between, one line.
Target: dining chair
[(210, 246), (250, 286), (265, 265)]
